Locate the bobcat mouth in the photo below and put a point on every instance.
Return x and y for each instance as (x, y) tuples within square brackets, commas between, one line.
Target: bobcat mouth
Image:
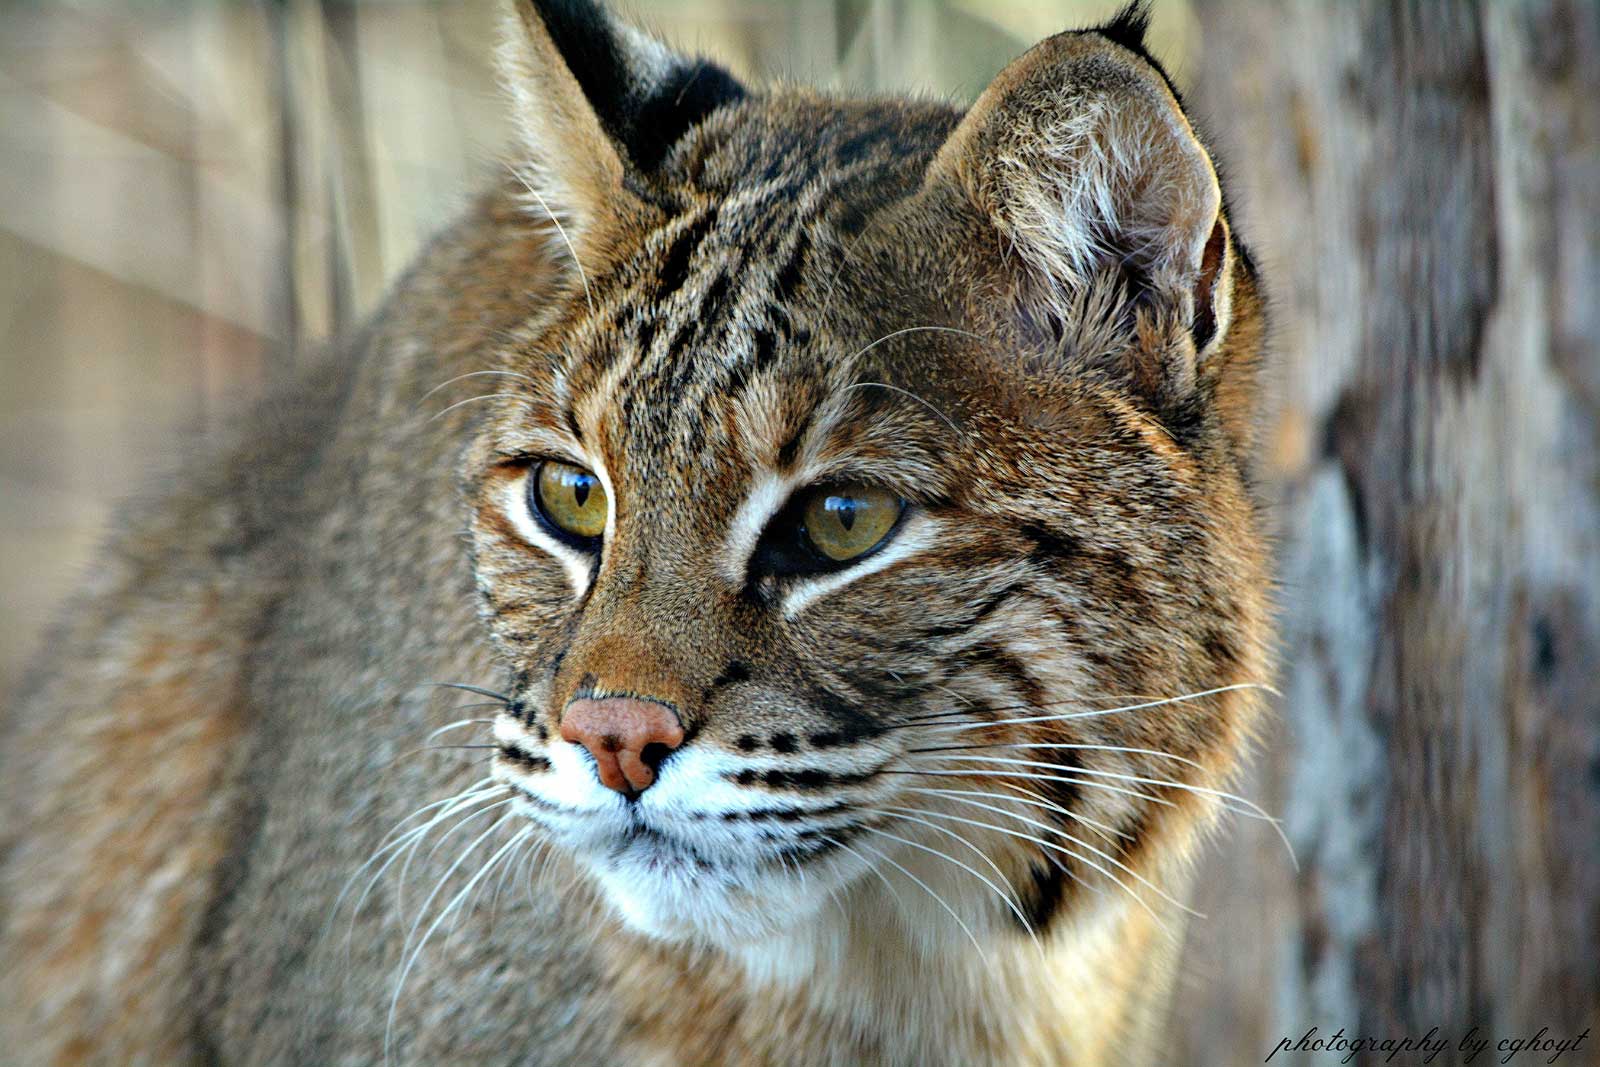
[(656, 851)]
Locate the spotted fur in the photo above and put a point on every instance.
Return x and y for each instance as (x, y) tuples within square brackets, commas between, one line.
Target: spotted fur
[(937, 805)]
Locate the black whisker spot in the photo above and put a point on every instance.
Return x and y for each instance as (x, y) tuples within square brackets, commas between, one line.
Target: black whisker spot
[(526, 761)]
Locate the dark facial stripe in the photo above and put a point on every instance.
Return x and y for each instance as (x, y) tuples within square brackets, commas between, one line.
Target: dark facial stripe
[(789, 274), (1042, 899), (988, 607), (675, 264), (804, 779), (524, 760)]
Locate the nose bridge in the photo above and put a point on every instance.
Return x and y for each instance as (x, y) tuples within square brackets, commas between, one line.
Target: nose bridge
[(657, 624), (645, 631), (626, 662)]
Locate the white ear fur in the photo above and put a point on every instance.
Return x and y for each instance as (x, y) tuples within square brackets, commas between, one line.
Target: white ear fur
[(1082, 158), (570, 168), (1109, 176)]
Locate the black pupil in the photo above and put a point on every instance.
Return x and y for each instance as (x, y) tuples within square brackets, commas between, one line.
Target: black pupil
[(580, 488), (843, 508)]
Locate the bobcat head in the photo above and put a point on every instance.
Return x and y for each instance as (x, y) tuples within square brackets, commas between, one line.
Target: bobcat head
[(870, 500)]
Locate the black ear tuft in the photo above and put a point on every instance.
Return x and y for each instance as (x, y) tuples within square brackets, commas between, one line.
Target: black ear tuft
[(645, 96), (1129, 26), (676, 105)]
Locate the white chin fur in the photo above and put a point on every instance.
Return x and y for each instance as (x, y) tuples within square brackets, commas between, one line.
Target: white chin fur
[(679, 902)]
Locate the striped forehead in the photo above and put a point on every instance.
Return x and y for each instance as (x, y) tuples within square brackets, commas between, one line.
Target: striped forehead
[(719, 302)]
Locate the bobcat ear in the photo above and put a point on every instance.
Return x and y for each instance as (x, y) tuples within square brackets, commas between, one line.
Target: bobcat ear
[(597, 102), (1080, 155)]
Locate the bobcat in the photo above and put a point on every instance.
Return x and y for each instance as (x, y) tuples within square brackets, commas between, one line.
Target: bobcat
[(842, 507)]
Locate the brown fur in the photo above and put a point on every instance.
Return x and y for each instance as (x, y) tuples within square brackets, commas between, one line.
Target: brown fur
[(799, 289)]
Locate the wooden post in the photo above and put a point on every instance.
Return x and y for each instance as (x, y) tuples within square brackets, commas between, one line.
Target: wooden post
[(1422, 181)]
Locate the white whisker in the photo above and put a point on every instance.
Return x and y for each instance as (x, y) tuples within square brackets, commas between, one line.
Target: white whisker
[(459, 724), (1118, 864), (1036, 802), (926, 888), (1042, 843), (1246, 807), (1068, 716), (466, 797), (407, 964), (562, 230), (400, 881), (1001, 893), (482, 783), (1065, 745), (400, 846), (1037, 777), (475, 399), (472, 374)]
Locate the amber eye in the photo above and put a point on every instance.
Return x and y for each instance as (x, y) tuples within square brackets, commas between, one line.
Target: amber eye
[(846, 521), (570, 499)]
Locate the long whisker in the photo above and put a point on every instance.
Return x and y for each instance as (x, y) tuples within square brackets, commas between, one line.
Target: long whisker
[(1002, 894), (918, 329), (404, 846), (516, 842), (930, 718), (457, 726), (457, 862), (1042, 843), (424, 749), (473, 374), (529, 866), (1032, 800), (838, 273), (909, 814), (478, 689), (571, 249), (912, 813), (1062, 745), (481, 783), (405, 969), (464, 798), (411, 853), (1118, 864), (508, 873), (1230, 802), (1037, 777), (474, 399), (925, 887), (1248, 807), (906, 392), (870, 865)]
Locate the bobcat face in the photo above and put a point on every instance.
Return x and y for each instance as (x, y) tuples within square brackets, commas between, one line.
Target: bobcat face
[(870, 502)]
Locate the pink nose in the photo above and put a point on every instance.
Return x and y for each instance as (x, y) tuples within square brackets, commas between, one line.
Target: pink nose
[(623, 735)]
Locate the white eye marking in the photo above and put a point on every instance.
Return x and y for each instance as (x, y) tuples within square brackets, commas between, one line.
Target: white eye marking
[(518, 507), (915, 534), (766, 496), (599, 471)]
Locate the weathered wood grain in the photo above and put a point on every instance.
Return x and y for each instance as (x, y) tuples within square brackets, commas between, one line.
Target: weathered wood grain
[(1423, 182)]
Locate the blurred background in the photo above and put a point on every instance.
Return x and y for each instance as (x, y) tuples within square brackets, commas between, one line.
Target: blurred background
[(194, 195)]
